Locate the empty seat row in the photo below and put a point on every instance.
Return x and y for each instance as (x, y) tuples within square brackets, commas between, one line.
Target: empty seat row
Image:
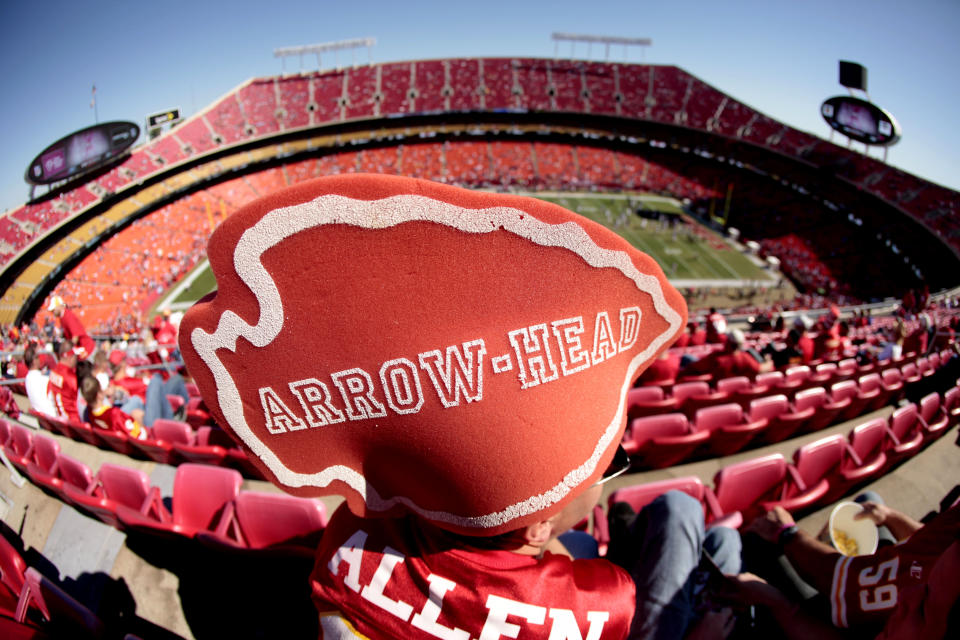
[(819, 473), (206, 499)]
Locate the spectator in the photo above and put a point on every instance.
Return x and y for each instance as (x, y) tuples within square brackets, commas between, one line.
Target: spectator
[(732, 360), (63, 383), (37, 384), (716, 327), (853, 602), (662, 371), (72, 328), (103, 415)]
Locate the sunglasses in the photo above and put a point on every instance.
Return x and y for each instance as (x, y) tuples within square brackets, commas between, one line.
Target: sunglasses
[(618, 466)]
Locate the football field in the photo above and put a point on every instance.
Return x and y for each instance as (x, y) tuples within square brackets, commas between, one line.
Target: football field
[(686, 251)]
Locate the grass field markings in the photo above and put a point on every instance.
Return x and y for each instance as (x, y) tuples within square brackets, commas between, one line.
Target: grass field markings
[(715, 257)]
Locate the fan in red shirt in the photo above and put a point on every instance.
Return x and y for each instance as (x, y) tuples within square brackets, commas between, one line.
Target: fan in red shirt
[(731, 360), (63, 383), (72, 328), (103, 415)]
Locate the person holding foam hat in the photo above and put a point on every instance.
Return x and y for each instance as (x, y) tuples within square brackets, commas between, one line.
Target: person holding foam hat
[(73, 329), (455, 364)]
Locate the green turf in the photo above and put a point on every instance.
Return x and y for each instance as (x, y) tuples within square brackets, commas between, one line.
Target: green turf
[(683, 257)]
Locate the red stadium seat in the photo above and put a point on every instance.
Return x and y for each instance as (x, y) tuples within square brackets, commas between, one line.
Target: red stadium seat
[(910, 373), (745, 486), (783, 420), (46, 457), (655, 442), (71, 618), (906, 433), (201, 494), (648, 401), (872, 391), (19, 448), (12, 569), (866, 459), (5, 432), (639, 496), (816, 398), (73, 474), (116, 440), (273, 521), (892, 381), (848, 393), (118, 488), (734, 384), (729, 432), (185, 444), (934, 419)]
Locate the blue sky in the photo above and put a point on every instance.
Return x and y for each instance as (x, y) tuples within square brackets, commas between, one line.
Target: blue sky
[(779, 57)]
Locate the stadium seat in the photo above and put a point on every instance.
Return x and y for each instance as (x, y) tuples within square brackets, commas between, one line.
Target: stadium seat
[(848, 393), (116, 440), (866, 458), (783, 420), (906, 433), (816, 398), (872, 391), (648, 401), (274, 521), (746, 486), (185, 444), (655, 442), (5, 432), (201, 494), (823, 375), (67, 616), (639, 496), (934, 419), (729, 432), (153, 448), (53, 425), (19, 448), (694, 396), (911, 373), (951, 403), (117, 488), (809, 477), (42, 469), (74, 474), (12, 569), (734, 384), (892, 381), (795, 379)]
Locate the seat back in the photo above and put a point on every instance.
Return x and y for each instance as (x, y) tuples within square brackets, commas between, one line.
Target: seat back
[(172, 431), (797, 375), (815, 460), (769, 407), (768, 379), (869, 383), (127, 486), (45, 451), (683, 390), (867, 439), (904, 420), (640, 495), (733, 384), (638, 395), (268, 519), (814, 397), (68, 615), (845, 390), (200, 492), (930, 403), (721, 415), (21, 439), (5, 432), (12, 567), (910, 370), (666, 424), (826, 370), (740, 486), (891, 377), (74, 472)]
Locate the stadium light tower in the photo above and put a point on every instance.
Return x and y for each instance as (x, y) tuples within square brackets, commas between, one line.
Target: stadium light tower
[(285, 52), (573, 38)]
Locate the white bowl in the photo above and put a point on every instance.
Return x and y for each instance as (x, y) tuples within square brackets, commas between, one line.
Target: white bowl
[(863, 531)]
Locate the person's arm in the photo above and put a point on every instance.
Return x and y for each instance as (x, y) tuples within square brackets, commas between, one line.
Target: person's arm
[(812, 559), (795, 623), (901, 525)]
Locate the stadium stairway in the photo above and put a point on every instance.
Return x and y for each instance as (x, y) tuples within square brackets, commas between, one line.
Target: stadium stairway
[(181, 588)]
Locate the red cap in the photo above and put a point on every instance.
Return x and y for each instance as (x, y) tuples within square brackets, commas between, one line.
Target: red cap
[(420, 347)]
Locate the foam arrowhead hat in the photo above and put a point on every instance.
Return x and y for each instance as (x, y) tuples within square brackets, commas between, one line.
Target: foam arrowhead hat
[(420, 347)]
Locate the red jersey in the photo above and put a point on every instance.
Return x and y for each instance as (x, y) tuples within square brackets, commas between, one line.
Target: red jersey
[(402, 578), (662, 370), (114, 419), (865, 589), (74, 332), (63, 387)]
